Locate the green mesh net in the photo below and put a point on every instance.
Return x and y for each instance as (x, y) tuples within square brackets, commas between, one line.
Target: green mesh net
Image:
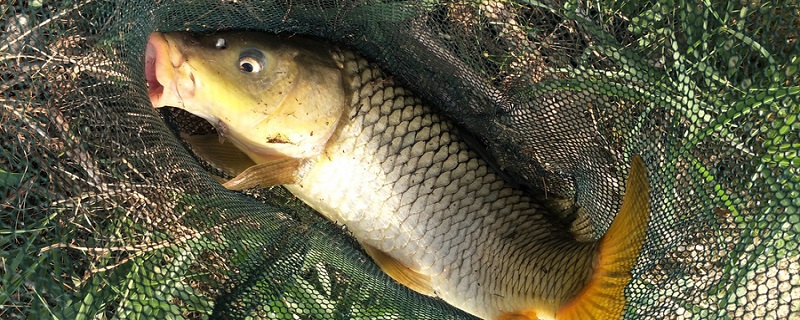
[(107, 214)]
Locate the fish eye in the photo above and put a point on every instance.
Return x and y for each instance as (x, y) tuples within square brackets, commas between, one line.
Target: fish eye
[(252, 60)]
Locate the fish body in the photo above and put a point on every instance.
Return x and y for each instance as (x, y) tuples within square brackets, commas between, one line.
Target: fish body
[(365, 152)]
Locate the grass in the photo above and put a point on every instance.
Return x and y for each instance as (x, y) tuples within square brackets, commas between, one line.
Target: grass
[(724, 75), (720, 75)]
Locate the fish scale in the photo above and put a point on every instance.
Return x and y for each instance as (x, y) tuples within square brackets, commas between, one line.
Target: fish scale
[(465, 213), (367, 153)]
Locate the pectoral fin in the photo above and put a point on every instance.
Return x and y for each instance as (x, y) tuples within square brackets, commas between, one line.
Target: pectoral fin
[(400, 272), (604, 296), (527, 315), (221, 154), (226, 157), (271, 173)]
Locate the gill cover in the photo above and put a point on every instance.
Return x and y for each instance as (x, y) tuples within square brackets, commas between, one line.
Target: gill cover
[(272, 97)]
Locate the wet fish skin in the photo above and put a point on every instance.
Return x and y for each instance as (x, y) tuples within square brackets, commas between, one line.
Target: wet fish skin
[(438, 204), (431, 212), (299, 86)]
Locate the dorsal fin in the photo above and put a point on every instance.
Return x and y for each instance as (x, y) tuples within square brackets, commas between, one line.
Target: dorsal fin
[(400, 272)]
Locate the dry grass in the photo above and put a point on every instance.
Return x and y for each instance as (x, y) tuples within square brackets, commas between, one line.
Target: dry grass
[(84, 209)]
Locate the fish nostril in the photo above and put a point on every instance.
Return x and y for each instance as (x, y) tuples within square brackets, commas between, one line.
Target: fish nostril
[(221, 44)]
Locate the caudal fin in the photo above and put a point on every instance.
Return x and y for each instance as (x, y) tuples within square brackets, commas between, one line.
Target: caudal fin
[(604, 296)]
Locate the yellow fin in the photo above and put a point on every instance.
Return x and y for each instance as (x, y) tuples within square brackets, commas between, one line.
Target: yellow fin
[(604, 295), (221, 154), (228, 158), (270, 173), (525, 315), (400, 272)]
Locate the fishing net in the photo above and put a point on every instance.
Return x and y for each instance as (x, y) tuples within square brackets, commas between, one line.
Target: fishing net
[(106, 213)]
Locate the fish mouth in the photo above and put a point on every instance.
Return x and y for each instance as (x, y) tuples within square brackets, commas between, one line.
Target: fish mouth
[(155, 52), (176, 76), (171, 82), (169, 79)]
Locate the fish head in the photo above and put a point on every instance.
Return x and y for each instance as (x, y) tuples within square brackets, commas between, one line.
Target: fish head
[(272, 97)]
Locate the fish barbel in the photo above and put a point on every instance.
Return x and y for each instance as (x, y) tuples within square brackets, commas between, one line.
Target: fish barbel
[(364, 152)]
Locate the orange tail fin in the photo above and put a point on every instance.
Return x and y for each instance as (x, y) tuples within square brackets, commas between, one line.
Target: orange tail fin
[(604, 296)]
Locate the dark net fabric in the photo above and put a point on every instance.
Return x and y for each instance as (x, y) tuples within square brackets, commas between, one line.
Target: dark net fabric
[(105, 213)]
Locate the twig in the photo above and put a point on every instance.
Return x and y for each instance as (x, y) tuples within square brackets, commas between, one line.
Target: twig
[(139, 249), (42, 24)]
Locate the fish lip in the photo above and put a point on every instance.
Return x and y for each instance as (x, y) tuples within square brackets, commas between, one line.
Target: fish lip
[(153, 53), (164, 59), (171, 81)]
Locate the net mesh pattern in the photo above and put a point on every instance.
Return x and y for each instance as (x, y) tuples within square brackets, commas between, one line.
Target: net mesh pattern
[(107, 214)]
